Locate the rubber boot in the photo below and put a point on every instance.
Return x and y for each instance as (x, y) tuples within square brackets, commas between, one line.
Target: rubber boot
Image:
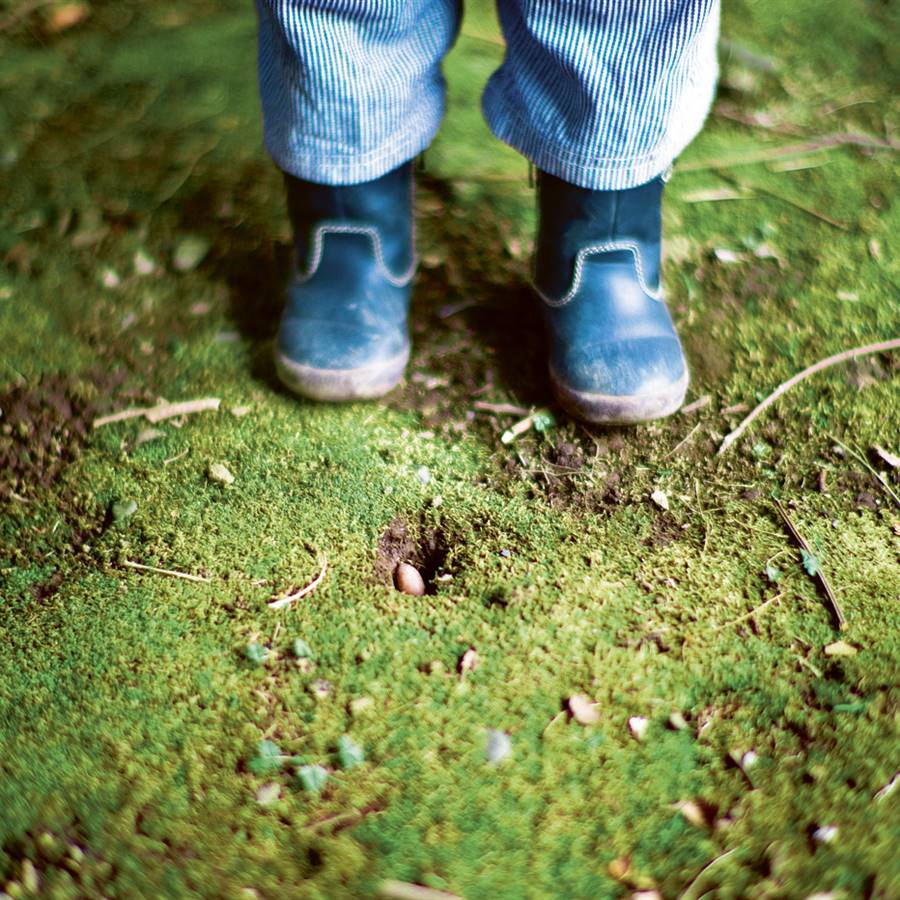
[(614, 353), (344, 334)]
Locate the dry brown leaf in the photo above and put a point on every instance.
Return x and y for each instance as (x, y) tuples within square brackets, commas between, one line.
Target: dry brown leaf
[(469, 661), (67, 15)]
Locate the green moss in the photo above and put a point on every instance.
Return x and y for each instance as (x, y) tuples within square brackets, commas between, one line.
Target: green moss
[(132, 719)]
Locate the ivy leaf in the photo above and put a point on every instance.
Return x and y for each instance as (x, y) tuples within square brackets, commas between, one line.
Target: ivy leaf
[(350, 754), (810, 563), (267, 759), (312, 778)]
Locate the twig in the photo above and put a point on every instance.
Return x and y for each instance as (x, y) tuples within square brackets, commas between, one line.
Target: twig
[(836, 610), (875, 473), (809, 210), (683, 441), (750, 614), (401, 890), (688, 893), (540, 419), (343, 820), (287, 599), (500, 409), (160, 412), (177, 456), (174, 574), (825, 142), (880, 347), (699, 403)]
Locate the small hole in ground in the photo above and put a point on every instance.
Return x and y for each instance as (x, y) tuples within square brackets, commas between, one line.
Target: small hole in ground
[(425, 548)]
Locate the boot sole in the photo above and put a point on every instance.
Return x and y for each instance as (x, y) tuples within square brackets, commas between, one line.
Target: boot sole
[(609, 409), (336, 385)]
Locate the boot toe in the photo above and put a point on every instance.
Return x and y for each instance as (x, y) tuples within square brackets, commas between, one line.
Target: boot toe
[(622, 381)]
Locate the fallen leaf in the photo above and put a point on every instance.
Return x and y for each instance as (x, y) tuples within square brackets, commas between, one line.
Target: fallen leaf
[(268, 758), (694, 813), (268, 794), (312, 778), (219, 473), (360, 706), (638, 725), (122, 510), (256, 653), (469, 661), (499, 746), (583, 710), (840, 648), (350, 754), (824, 834), (660, 499), (66, 16), (619, 867)]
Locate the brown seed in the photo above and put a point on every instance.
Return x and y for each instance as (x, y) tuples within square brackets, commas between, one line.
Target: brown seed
[(408, 580)]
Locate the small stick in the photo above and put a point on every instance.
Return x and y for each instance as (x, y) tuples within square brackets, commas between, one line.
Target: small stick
[(523, 425), (689, 892), (160, 412), (750, 614), (836, 610), (185, 575), (699, 403), (287, 599), (809, 210), (880, 347), (683, 441), (500, 409), (825, 142), (401, 890)]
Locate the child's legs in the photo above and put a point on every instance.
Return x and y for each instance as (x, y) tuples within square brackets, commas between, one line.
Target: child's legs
[(603, 93), (351, 89)]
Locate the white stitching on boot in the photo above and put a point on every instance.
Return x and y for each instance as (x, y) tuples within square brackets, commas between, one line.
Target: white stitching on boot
[(592, 250), (369, 231)]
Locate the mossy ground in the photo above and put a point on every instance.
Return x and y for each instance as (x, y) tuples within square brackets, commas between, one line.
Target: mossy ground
[(130, 711)]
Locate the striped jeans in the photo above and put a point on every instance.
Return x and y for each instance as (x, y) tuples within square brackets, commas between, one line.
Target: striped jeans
[(601, 93)]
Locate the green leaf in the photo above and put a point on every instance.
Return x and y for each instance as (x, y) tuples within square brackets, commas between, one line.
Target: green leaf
[(256, 653), (810, 562), (773, 573), (301, 649), (312, 778), (543, 420), (350, 754), (268, 758), (122, 510)]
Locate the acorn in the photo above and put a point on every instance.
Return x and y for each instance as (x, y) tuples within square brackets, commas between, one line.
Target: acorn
[(408, 580)]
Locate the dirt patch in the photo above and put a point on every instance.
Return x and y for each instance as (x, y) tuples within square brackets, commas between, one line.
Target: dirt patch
[(664, 531), (43, 427), (426, 548)]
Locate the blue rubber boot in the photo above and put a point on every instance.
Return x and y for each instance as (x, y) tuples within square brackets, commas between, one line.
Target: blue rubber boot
[(614, 354), (343, 334)]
